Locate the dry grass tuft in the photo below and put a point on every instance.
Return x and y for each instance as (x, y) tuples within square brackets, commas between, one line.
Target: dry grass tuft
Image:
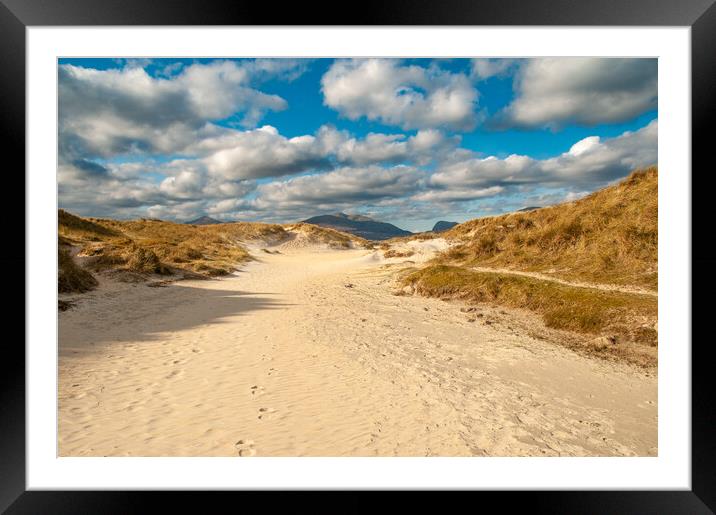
[(71, 278), (610, 236), (392, 253)]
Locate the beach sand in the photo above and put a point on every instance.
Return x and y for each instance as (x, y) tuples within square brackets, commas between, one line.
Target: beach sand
[(308, 352)]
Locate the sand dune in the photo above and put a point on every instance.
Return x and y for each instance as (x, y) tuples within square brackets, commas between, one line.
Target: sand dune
[(307, 352)]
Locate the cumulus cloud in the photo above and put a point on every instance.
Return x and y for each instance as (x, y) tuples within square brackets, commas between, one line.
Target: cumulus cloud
[(589, 162), (339, 187), (126, 110), (551, 92), (452, 195), (182, 211), (425, 146), (482, 69), (136, 144), (227, 164), (265, 153), (287, 69), (186, 184), (191, 187), (407, 96)]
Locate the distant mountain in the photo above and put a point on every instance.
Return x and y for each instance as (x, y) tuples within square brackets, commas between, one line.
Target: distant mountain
[(443, 226), (529, 208), (362, 226), (204, 220)]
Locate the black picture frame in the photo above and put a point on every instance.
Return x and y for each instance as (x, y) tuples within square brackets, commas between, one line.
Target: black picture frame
[(700, 15)]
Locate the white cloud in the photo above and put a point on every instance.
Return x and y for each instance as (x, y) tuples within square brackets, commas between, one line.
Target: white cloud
[(264, 152), (411, 97), (485, 68), (226, 164), (186, 184), (584, 145), (575, 195), (207, 168), (451, 195), (551, 92), (425, 146), (189, 187), (117, 111), (589, 162), (182, 212), (337, 189)]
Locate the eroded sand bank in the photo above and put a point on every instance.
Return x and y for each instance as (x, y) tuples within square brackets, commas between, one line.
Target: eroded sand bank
[(308, 353)]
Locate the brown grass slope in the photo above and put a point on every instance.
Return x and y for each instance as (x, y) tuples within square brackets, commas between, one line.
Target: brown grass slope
[(150, 246), (562, 306), (72, 278), (607, 237)]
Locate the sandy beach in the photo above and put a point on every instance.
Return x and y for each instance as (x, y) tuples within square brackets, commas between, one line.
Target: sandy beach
[(308, 352)]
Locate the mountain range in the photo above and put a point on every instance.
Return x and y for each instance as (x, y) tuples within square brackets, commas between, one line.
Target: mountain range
[(442, 225), (204, 220), (358, 225)]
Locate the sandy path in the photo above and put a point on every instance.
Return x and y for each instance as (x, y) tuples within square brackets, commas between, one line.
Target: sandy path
[(594, 286), (284, 359)]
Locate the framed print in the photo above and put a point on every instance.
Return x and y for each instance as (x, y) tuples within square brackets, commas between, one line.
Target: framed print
[(427, 250)]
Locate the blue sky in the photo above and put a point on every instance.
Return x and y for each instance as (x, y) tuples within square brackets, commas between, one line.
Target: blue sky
[(407, 141)]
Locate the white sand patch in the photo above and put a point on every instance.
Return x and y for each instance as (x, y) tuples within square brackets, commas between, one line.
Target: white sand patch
[(309, 354)]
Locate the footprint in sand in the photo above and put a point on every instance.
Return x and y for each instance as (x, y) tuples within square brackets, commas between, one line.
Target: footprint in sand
[(175, 373), (266, 413), (257, 390), (245, 448)]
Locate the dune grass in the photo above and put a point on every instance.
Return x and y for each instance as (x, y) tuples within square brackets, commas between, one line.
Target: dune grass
[(393, 253), (71, 278), (331, 237), (149, 246), (610, 236), (158, 247), (626, 318)]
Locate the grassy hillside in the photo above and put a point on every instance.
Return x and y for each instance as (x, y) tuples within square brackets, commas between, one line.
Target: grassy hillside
[(150, 246), (610, 236), (153, 246)]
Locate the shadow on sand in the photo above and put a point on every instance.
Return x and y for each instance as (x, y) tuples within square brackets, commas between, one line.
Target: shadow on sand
[(148, 314)]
